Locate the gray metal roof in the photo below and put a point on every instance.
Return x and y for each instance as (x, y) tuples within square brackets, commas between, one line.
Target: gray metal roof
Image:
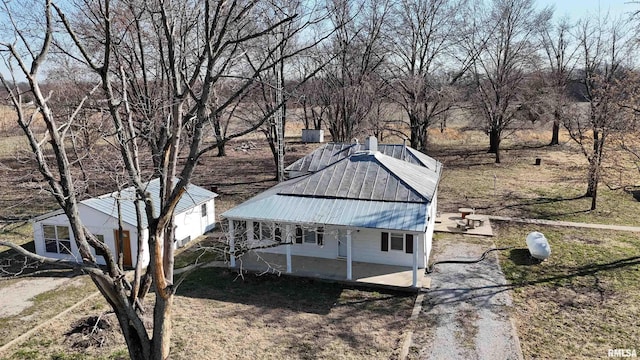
[(366, 189), (331, 153), (341, 212), (107, 204), (369, 176)]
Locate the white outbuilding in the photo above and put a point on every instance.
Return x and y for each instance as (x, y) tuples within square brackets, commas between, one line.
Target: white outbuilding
[(194, 215)]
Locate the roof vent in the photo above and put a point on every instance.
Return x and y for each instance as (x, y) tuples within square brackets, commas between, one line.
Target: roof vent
[(371, 143)]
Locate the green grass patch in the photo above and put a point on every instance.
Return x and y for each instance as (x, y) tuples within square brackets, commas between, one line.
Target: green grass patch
[(197, 255), (582, 300)]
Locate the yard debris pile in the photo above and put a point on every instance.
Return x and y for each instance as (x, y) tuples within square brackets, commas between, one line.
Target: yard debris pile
[(93, 331), (246, 146)]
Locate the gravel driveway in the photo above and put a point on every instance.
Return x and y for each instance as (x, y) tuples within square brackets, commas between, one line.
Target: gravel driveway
[(465, 314)]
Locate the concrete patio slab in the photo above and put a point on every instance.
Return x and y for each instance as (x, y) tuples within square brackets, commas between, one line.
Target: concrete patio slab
[(447, 222)]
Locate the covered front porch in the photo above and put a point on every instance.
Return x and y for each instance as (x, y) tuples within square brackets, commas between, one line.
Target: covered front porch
[(362, 273)]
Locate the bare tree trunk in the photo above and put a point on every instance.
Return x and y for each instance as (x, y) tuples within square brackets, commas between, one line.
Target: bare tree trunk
[(592, 183), (494, 143), (555, 132), (162, 327)]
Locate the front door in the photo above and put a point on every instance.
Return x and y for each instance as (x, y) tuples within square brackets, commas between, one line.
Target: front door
[(123, 245), (342, 244)]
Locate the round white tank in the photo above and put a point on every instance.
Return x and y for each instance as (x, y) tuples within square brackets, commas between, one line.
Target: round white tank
[(538, 245)]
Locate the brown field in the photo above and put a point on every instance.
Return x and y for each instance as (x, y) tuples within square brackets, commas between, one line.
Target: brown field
[(577, 305)]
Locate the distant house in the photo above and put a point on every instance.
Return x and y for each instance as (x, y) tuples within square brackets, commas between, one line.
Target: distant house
[(194, 215), (358, 203)]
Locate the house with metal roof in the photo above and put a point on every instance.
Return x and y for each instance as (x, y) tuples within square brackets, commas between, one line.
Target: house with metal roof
[(360, 205), (194, 215)]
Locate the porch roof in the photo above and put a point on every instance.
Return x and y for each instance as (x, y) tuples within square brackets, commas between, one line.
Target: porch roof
[(403, 216), (366, 190)]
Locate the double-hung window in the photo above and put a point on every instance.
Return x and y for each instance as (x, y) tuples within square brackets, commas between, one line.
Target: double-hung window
[(57, 239), (267, 231), (310, 236), (396, 242), (203, 210)]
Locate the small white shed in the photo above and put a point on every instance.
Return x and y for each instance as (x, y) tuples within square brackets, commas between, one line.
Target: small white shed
[(195, 215)]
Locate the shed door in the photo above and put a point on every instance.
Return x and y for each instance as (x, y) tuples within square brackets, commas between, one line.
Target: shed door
[(342, 244), (125, 237)]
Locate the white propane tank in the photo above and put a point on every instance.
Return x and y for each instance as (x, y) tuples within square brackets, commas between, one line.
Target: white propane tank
[(538, 245)]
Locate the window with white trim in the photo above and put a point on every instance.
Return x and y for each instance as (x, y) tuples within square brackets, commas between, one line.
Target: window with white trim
[(310, 236), (396, 242), (57, 239), (267, 231), (203, 210)]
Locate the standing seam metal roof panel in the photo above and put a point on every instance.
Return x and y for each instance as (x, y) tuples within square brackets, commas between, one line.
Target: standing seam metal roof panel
[(352, 178), (331, 153), (107, 203)]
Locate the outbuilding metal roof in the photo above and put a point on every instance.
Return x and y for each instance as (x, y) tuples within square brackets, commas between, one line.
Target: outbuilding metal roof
[(107, 204), (361, 189), (331, 153)]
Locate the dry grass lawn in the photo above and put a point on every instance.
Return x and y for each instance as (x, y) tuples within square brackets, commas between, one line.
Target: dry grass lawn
[(220, 316), (578, 304), (582, 301)]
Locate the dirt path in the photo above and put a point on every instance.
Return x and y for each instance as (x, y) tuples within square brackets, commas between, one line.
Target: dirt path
[(18, 296), (466, 312)]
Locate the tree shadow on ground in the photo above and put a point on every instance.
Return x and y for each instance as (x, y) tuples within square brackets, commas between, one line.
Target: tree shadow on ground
[(273, 291), (634, 192), (515, 202), (485, 294), (523, 257)]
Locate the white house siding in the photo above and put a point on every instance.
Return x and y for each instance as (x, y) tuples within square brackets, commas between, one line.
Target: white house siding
[(365, 247), (430, 228), (191, 224), (98, 224)]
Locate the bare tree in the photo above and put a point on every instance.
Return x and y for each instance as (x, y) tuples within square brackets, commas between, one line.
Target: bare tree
[(561, 59), (355, 57), (424, 40), (272, 88), (604, 50), (504, 38), (131, 48)]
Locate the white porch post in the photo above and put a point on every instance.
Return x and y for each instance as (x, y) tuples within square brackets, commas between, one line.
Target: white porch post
[(250, 233), (349, 269), (232, 245), (415, 260), (288, 246)]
